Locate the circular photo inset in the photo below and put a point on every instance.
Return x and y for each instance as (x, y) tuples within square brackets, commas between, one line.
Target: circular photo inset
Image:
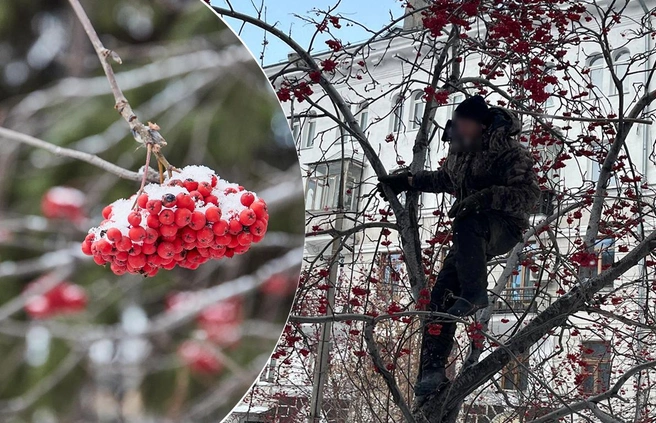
[(151, 213)]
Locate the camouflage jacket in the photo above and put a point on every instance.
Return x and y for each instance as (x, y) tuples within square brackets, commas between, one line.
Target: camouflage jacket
[(502, 166)]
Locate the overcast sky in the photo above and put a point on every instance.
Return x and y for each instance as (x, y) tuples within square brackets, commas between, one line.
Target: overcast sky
[(372, 13)]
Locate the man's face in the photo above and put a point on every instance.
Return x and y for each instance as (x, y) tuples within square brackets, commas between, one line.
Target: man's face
[(469, 132)]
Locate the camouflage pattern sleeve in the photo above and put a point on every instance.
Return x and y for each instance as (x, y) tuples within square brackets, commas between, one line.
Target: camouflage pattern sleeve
[(518, 191), (432, 181)]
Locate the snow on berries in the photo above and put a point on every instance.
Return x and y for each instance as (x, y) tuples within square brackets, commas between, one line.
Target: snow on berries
[(191, 218)]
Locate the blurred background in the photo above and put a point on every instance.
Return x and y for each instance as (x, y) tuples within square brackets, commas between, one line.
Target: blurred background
[(92, 346)]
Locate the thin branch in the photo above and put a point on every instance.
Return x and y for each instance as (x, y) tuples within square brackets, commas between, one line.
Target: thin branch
[(67, 152), (610, 393)]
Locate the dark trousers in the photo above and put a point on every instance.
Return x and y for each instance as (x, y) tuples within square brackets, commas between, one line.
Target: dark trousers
[(477, 238)]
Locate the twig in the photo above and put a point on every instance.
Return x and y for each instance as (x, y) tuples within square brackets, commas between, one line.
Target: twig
[(67, 152), (397, 396), (143, 134)]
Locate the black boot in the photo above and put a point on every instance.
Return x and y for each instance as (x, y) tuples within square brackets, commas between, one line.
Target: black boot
[(432, 379), (469, 303)]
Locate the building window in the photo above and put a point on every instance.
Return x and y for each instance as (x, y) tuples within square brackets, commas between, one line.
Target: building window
[(269, 372), (597, 73), (418, 105), (457, 98), (310, 130), (296, 129), (596, 358), (392, 270), (549, 88), (520, 293), (605, 249), (514, 377), (397, 113), (546, 203), (322, 188), (363, 115), (621, 62), (600, 77)]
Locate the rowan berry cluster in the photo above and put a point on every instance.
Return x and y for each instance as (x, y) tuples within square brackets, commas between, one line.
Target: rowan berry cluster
[(191, 218), (63, 203), (219, 325), (63, 298)]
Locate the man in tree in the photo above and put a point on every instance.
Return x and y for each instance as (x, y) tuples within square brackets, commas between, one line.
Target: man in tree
[(491, 175)]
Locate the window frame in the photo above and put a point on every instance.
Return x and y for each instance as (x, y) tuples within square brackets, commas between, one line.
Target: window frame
[(326, 184), (392, 261), (398, 112), (310, 130), (514, 375), (598, 380), (417, 103)]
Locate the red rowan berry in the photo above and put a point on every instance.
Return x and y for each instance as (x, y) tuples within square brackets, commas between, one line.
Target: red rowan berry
[(142, 200), (153, 221), (165, 250), (182, 217), (135, 250), (134, 219), (151, 236), (176, 183), (244, 238), (234, 227), (168, 230), (205, 236), (167, 217), (148, 249), (197, 220), (260, 209), (222, 240), (213, 214), (154, 206), (191, 185), (234, 242), (188, 235), (184, 201), (212, 199), (137, 261), (113, 234), (220, 228), (205, 189), (247, 199), (124, 244), (214, 180), (86, 248), (137, 233), (247, 217), (107, 211), (258, 228), (102, 246)]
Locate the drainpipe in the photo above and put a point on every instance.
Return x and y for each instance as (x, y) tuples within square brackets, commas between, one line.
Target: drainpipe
[(645, 157)]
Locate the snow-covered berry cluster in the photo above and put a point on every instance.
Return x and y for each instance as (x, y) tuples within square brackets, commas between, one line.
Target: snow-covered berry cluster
[(189, 219), (63, 203), (63, 298)]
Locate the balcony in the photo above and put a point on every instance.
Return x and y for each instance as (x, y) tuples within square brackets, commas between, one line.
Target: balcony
[(521, 300)]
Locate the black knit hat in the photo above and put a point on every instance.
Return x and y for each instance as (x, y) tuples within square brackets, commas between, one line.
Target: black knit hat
[(474, 108)]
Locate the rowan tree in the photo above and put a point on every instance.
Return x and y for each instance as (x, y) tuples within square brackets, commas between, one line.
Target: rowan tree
[(575, 340), (81, 341)]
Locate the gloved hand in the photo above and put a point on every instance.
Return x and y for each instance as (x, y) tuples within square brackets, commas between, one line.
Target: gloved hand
[(398, 182), (475, 203)]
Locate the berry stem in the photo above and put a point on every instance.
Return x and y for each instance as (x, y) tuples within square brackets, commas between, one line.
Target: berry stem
[(149, 149)]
